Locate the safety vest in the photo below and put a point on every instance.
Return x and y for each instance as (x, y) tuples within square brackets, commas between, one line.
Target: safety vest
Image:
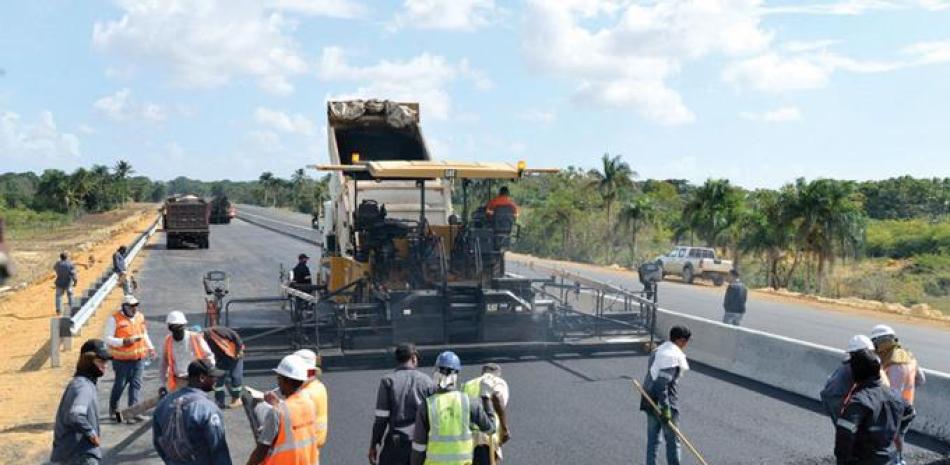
[(473, 389), (450, 434), (170, 356), (226, 345), (296, 441), (317, 393), (903, 379), (126, 327)]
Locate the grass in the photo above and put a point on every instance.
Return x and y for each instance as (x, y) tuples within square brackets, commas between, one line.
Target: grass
[(25, 224)]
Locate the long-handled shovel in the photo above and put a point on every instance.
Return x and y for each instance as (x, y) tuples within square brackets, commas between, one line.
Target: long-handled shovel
[(676, 431)]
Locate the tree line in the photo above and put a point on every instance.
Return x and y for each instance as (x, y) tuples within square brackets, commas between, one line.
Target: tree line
[(795, 234)]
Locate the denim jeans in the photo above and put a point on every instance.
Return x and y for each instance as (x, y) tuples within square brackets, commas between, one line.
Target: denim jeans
[(126, 284), (234, 378), (127, 373), (59, 298), (734, 319), (654, 426)]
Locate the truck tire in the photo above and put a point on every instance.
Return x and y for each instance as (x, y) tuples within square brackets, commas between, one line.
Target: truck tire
[(688, 274), (717, 280), (171, 243)]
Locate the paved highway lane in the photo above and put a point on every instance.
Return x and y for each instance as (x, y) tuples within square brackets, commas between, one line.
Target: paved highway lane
[(563, 411)]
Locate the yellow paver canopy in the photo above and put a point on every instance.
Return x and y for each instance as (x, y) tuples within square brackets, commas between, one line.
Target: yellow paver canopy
[(431, 169)]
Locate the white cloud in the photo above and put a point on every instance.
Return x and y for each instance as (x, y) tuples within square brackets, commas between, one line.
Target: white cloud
[(280, 121), (778, 115), (120, 107), (36, 146), (773, 73), (929, 52), (206, 44), (329, 8), (628, 60), (460, 15), (856, 7), (423, 78), (86, 129), (538, 116)]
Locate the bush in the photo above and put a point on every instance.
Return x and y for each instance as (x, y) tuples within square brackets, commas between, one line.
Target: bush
[(906, 238)]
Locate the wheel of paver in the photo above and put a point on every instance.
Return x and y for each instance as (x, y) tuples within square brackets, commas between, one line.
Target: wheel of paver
[(688, 275), (171, 243), (717, 280)]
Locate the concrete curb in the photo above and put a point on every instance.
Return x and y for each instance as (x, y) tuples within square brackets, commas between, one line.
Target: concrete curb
[(301, 237)]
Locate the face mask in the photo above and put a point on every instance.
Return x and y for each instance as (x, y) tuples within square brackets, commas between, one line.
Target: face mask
[(128, 310), (444, 381), (178, 334)]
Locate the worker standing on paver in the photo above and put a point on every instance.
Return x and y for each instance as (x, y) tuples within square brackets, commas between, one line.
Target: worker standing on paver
[(398, 399), (228, 350), (840, 382), (187, 428), (667, 364), (66, 280), (76, 439), (302, 271), (872, 417), (288, 435), (900, 366), (317, 392), (485, 444), (734, 302), (180, 349), (443, 430), (127, 336), (120, 268)]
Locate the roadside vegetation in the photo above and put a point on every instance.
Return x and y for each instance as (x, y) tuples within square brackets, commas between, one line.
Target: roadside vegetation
[(877, 240)]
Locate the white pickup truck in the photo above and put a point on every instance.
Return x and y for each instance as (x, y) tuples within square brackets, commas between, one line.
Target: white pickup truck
[(690, 262)]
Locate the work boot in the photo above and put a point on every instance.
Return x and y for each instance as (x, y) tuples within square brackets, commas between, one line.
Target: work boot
[(235, 402), (138, 418), (114, 414)]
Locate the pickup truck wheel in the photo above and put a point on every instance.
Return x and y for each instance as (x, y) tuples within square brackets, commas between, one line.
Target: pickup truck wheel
[(717, 280), (688, 275)]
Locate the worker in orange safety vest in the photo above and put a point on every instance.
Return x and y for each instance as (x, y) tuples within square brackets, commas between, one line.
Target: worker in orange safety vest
[(180, 349)]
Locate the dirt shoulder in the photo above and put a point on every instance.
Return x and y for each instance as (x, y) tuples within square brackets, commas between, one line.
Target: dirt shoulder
[(882, 311), (29, 395)]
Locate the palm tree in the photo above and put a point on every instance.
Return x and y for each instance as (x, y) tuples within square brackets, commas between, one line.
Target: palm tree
[(122, 170), (830, 218), (612, 180), (636, 214), (267, 181), (714, 208), (766, 230)]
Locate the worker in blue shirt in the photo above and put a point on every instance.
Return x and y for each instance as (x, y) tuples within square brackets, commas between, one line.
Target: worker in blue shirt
[(187, 427)]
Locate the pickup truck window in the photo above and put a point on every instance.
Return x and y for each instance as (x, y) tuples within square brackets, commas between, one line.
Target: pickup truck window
[(695, 253), (709, 254)]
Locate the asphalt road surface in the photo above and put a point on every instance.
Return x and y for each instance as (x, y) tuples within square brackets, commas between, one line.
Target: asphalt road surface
[(562, 410)]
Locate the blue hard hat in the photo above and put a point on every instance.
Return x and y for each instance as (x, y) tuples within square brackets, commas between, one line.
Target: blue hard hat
[(449, 360)]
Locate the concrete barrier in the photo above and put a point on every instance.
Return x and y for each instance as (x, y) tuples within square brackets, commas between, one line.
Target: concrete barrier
[(795, 366)]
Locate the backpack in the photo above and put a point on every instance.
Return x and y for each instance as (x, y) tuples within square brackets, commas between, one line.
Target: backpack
[(174, 439)]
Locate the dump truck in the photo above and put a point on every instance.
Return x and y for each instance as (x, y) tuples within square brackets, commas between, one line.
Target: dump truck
[(221, 210), (185, 220)]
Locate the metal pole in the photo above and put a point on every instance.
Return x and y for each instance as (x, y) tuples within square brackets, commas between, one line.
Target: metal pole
[(54, 342), (653, 316)]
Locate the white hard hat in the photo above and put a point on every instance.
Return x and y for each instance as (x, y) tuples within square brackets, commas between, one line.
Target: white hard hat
[(881, 331), (293, 367), (176, 318), (860, 342), (130, 300), (308, 356)]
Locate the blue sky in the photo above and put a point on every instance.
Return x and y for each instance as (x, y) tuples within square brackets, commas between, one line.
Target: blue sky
[(759, 92)]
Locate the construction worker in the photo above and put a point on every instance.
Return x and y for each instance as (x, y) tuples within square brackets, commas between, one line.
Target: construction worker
[(666, 365), (302, 271), (317, 392), (503, 199), (734, 302), (900, 366), (487, 445), (398, 399), (120, 268), (228, 350), (873, 415), (289, 433), (6, 264), (76, 439), (187, 428), (180, 349), (127, 336), (443, 430), (66, 280), (840, 382)]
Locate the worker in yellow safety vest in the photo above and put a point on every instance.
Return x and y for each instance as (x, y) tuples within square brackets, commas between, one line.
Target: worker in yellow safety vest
[(288, 434), (180, 349), (443, 430), (317, 393), (487, 449)]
